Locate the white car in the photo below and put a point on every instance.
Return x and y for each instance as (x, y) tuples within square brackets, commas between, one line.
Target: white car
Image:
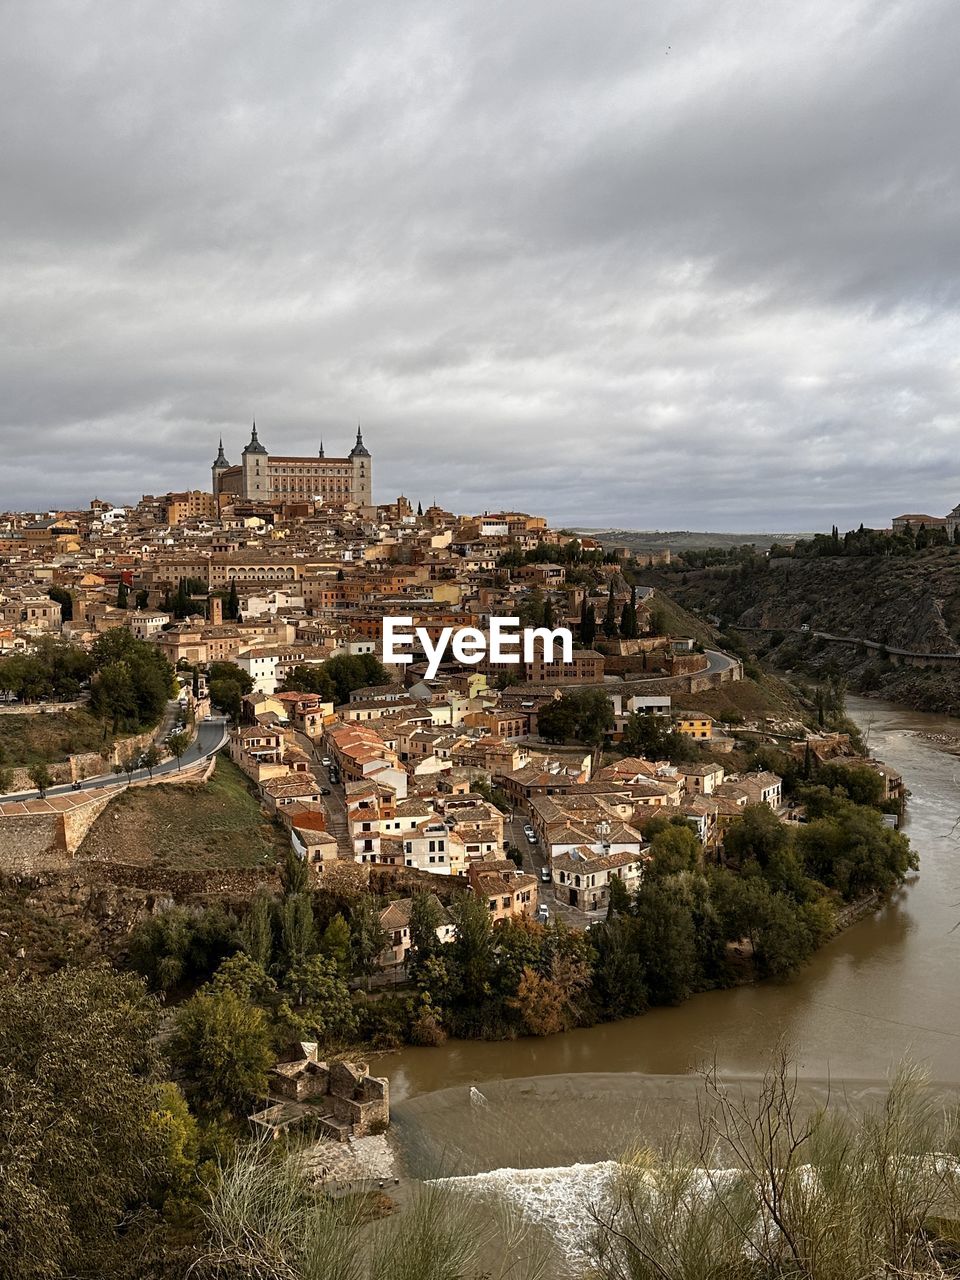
[(325, 762), (543, 913)]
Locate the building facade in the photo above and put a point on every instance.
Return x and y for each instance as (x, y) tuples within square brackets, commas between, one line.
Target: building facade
[(265, 477)]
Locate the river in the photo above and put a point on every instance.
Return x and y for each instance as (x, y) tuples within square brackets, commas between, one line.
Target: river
[(885, 989), (535, 1122)]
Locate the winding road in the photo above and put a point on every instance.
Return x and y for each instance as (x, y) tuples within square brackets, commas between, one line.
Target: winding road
[(211, 736)]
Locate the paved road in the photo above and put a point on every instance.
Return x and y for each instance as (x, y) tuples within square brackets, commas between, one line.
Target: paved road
[(211, 736), (718, 662), (854, 640)]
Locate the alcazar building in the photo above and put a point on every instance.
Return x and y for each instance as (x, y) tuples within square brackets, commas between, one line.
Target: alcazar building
[(264, 477)]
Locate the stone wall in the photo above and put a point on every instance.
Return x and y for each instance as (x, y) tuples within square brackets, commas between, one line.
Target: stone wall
[(31, 843)]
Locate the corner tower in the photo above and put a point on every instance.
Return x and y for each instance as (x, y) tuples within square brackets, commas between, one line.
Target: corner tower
[(220, 465), (362, 479), (256, 482)]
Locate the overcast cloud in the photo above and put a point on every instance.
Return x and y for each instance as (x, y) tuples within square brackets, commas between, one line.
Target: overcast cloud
[(660, 264)]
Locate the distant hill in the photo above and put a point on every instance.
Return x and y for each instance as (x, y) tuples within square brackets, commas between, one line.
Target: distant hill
[(907, 602), (687, 539)]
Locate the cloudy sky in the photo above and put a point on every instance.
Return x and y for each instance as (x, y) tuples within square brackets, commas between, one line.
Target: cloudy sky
[(664, 264)]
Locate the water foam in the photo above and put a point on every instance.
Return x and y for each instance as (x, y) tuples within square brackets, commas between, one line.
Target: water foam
[(560, 1199)]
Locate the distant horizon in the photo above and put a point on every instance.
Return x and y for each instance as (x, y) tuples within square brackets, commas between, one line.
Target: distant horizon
[(606, 262)]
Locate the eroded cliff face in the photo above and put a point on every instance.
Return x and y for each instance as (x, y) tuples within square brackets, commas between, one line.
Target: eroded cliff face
[(908, 603)]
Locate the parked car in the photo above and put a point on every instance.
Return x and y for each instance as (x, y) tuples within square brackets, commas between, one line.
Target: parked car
[(543, 914), (545, 875), (325, 762), (324, 791)]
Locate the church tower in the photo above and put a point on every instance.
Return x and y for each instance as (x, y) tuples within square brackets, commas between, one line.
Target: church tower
[(220, 465), (362, 485), (256, 483)]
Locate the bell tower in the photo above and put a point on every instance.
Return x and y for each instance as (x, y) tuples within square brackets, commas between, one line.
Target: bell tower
[(362, 479)]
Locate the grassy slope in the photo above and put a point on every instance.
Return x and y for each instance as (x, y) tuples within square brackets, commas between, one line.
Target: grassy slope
[(219, 825), (26, 739), (751, 699)]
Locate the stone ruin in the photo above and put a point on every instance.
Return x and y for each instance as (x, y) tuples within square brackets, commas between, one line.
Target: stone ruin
[(340, 1100)]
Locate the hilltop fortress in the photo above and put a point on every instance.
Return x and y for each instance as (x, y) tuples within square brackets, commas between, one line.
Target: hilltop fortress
[(264, 477)]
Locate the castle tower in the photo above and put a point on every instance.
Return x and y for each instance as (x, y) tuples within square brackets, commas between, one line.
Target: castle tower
[(220, 465), (256, 483), (216, 611), (362, 484)]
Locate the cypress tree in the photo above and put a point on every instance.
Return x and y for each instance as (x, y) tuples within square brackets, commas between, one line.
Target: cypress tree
[(588, 625), (610, 617)]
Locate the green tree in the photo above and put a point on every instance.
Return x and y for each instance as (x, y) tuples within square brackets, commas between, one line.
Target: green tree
[(557, 721), (335, 942), (310, 678), (666, 941), (619, 985), (473, 965), (586, 714), (758, 836), (175, 1189), (367, 937), (41, 777), (322, 1001), (133, 681), (227, 684), (426, 915), (79, 1154), (151, 758), (610, 617), (182, 945), (295, 876), (588, 624), (297, 934), (123, 594), (256, 933), (629, 625), (178, 743), (231, 608), (644, 734), (674, 847), (221, 1044)]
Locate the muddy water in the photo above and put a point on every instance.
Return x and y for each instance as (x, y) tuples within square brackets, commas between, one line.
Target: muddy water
[(885, 989)]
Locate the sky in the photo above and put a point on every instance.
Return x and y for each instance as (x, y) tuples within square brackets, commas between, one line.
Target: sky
[(645, 265)]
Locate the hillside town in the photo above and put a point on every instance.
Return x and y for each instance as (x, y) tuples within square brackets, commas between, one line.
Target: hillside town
[(255, 591)]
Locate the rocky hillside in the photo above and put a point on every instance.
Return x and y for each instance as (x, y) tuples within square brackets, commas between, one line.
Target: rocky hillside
[(905, 602)]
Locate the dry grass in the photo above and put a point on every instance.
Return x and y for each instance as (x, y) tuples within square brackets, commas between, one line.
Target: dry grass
[(49, 735), (215, 826)]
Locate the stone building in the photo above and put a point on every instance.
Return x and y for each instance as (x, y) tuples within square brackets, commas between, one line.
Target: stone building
[(340, 1099), (266, 477)]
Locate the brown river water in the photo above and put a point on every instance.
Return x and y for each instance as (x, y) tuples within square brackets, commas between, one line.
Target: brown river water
[(884, 990)]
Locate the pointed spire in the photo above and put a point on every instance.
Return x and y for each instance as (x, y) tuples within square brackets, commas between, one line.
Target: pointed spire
[(221, 459), (254, 446), (321, 449), (359, 450)]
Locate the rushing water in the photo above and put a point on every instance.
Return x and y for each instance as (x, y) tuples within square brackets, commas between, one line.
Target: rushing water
[(885, 989)]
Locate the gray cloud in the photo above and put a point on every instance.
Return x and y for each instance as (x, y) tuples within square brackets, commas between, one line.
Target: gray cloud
[(667, 265)]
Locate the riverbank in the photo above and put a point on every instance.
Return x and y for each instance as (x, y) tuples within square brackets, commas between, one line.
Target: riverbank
[(882, 990)]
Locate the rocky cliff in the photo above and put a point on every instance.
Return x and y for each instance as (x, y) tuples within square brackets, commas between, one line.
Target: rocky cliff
[(910, 603)]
